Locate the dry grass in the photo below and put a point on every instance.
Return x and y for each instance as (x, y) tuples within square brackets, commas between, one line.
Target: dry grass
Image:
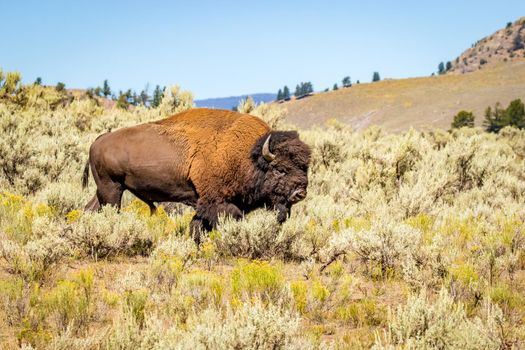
[(423, 103)]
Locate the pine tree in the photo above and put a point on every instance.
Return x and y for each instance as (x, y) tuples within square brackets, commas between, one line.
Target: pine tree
[(144, 97), (286, 93), (38, 81), (449, 66), (298, 90), (376, 77), (279, 95), (60, 86), (346, 82), (157, 96), (499, 117), (335, 87), (441, 68), (463, 119), (309, 88), (515, 114), (488, 122), (495, 119), (106, 90)]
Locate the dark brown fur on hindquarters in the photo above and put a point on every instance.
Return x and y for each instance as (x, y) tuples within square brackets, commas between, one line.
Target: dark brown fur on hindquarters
[(219, 162)]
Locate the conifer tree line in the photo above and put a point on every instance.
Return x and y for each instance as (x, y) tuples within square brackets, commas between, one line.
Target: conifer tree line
[(496, 118), (303, 88), (306, 88), (283, 94), (128, 97), (123, 98), (10, 84)]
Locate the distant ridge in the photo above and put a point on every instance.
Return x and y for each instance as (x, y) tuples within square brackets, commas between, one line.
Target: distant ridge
[(233, 101)]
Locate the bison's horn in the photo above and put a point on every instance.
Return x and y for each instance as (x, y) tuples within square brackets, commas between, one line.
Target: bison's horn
[(269, 156)]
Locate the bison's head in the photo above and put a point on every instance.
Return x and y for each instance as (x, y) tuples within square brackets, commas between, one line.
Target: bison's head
[(282, 160)]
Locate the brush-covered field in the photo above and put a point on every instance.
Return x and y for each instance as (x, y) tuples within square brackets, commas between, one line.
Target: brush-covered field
[(412, 240)]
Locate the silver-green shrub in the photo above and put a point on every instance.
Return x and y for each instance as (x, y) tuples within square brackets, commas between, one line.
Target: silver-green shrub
[(443, 324), (110, 233), (175, 101), (385, 245), (257, 236), (254, 326)]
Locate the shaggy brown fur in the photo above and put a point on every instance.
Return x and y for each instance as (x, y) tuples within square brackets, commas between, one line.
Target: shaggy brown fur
[(210, 159)]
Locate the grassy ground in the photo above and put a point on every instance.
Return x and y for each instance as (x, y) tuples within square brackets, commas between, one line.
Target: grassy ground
[(364, 311)]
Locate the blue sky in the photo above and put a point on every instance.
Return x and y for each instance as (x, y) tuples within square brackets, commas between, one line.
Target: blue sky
[(223, 48)]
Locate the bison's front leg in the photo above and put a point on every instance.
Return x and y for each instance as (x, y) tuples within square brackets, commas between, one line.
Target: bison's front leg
[(197, 226), (283, 212), (207, 216)]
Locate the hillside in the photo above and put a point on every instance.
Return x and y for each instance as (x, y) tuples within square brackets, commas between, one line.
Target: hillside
[(507, 44), (423, 103), (233, 101)]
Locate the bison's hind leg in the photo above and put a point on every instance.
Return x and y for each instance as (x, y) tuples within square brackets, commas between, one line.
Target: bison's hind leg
[(110, 193), (93, 204)]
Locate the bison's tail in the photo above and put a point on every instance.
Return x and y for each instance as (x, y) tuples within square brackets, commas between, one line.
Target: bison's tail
[(85, 175)]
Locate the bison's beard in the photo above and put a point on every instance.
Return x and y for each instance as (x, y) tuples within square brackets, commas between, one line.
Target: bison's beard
[(277, 194), (283, 204)]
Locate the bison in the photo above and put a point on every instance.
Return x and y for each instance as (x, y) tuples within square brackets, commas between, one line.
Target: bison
[(219, 162)]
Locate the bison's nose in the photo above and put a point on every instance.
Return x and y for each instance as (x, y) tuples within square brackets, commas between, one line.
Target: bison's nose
[(298, 195)]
